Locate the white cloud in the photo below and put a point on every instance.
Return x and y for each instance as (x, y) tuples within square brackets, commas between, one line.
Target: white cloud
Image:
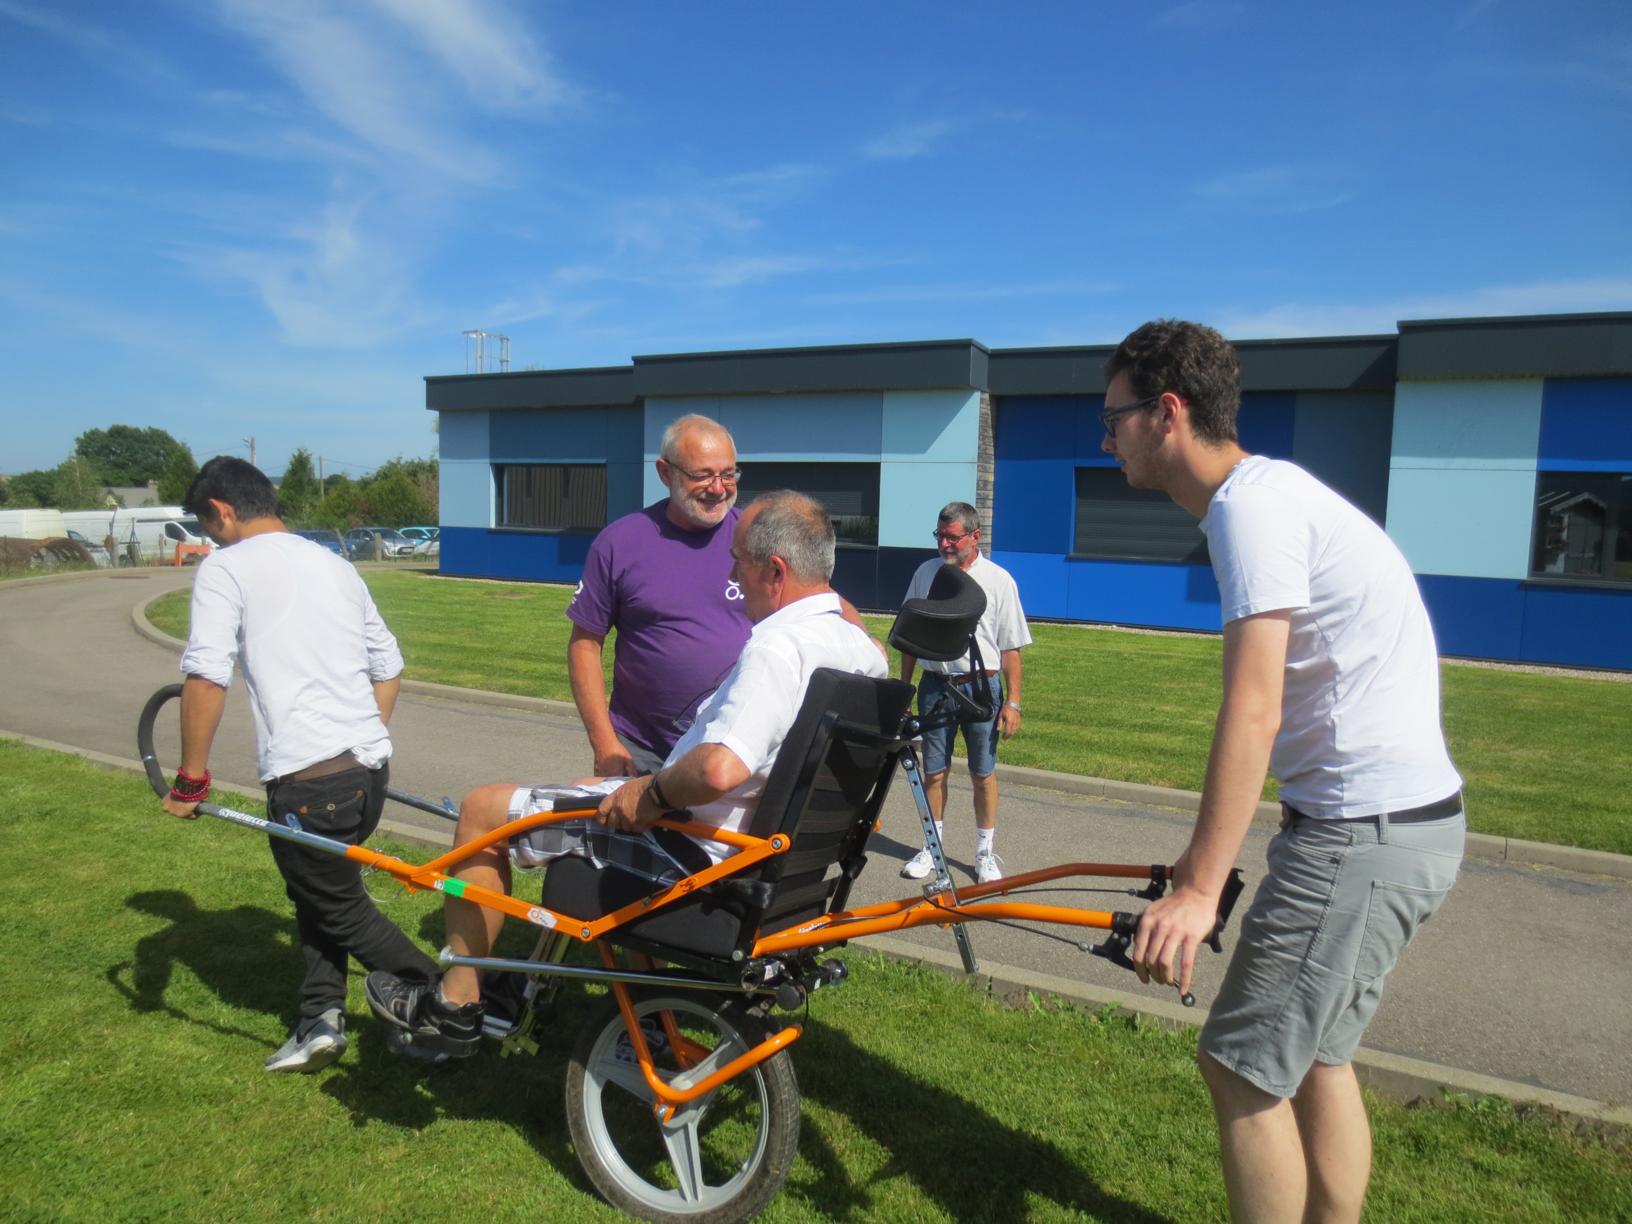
[(487, 46), (1367, 318), (1198, 16), (909, 140), (1279, 189)]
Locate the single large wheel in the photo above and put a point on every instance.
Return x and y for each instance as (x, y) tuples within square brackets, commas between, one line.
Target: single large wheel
[(724, 1156)]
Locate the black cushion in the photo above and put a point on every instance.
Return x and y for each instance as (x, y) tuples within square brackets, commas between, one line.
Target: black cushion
[(938, 626)]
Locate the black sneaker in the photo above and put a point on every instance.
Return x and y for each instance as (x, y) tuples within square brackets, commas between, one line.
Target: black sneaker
[(427, 1026)]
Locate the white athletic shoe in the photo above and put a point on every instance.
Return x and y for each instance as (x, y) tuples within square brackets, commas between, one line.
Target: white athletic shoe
[(919, 866), (988, 867), (313, 1045)]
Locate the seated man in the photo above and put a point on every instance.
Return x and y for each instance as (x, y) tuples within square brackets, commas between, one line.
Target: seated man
[(782, 551)]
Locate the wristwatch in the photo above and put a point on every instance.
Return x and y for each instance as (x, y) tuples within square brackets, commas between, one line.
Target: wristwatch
[(1014, 705)]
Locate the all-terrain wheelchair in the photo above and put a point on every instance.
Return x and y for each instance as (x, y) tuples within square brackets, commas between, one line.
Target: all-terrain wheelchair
[(681, 1100)]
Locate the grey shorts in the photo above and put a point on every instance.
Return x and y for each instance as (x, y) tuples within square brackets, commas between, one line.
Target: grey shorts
[(666, 860), (1340, 901)]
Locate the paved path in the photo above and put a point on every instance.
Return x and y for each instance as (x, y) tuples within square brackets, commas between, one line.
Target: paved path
[(1523, 976)]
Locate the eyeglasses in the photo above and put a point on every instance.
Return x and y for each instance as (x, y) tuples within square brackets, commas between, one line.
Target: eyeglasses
[(946, 537), (727, 477), (1108, 417)]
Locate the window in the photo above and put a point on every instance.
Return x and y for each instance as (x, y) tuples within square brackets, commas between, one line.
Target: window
[(551, 496), (1116, 522), (1583, 527), (848, 491)]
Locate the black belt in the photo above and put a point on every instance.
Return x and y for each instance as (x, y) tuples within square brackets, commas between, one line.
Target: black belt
[(338, 763), (1437, 810)]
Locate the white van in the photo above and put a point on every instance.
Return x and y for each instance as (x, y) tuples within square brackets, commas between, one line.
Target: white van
[(144, 534), (32, 524)]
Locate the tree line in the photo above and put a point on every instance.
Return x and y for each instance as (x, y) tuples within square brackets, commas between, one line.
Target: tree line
[(396, 494)]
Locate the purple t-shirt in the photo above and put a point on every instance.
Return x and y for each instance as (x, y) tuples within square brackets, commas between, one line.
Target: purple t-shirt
[(680, 620)]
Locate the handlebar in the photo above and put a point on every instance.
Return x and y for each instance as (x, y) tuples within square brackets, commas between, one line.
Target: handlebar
[(1124, 926), (155, 772)]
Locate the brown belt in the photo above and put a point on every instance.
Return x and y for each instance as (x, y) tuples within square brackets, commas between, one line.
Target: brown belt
[(967, 677), (322, 769)]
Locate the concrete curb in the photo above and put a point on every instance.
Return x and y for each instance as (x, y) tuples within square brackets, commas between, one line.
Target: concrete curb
[(1482, 846), (1390, 1075)]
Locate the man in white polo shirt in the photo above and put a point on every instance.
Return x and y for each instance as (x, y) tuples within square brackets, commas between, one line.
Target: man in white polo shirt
[(1001, 635), (1331, 679), (782, 551), (323, 673)]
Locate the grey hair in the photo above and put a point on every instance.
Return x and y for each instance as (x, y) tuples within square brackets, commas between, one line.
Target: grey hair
[(692, 420), (961, 513), (794, 527)]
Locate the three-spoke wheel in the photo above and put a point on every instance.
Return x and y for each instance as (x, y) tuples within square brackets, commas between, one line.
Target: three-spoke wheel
[(722, 1157)]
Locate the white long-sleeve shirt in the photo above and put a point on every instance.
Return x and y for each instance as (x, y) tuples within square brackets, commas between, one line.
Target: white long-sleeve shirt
[(302, 626)]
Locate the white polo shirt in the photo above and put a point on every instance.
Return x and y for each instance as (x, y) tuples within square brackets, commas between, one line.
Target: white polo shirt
[(1002, 626), (754, 708), (1360, 717), (300, 623)]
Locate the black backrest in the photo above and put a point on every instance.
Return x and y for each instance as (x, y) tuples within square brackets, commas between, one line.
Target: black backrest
[(825, 791)]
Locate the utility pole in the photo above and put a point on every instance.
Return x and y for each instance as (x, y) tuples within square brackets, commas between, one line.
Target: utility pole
[(250, 442), (320, 478)]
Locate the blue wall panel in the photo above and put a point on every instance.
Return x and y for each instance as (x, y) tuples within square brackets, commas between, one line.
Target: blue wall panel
[(911, 494), (1461, 521), (1343, 438), (466, 492), (566, 435), (1143, 593), (1480, 617), (1487, 423), (931, 426), (1037, 441), (1267, 423), (1042, 580), (1586, 425), (1587, 627), (463, 435), (532, 556)]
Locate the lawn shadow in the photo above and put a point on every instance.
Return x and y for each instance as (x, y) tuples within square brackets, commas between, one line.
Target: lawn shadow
[(925, 1126), (228, 950)]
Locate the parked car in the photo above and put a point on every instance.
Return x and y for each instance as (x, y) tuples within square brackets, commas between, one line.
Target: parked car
[(420, 534), (392, 542), (329, 538), (99, 554)]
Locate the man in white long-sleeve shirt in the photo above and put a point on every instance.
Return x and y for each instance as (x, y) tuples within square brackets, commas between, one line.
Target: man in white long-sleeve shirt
[(323, 673)]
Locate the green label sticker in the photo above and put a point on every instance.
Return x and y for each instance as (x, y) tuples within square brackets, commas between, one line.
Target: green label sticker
[(454, 888)]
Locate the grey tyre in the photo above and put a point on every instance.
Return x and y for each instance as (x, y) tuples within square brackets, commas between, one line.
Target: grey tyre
[(724, 1157)]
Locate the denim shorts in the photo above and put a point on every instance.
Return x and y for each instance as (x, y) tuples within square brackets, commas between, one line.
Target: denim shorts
[(979, 738), (1340, 901)]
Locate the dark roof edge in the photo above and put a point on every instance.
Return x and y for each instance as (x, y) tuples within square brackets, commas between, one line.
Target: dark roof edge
[(814, 350), (1591, 316)]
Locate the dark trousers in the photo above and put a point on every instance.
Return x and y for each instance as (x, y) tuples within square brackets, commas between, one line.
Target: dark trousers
[(333, 911)]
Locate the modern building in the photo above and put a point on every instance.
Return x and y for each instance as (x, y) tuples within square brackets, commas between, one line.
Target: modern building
[(1496, 452)]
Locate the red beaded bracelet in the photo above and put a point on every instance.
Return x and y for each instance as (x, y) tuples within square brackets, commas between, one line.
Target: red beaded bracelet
[(189, 789)]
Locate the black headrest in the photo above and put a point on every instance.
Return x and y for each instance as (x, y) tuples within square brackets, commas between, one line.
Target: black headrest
[(938, 626)]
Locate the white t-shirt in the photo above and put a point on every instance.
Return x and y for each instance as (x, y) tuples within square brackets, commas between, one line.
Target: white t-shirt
[(1002, 626), (754, 708), (1360, 717), (302, 625)]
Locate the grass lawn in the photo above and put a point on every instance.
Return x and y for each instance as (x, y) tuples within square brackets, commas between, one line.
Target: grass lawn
[(147, 994), (1546, 758)]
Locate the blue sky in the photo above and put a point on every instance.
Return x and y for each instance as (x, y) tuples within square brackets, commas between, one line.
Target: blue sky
[(274, 217)]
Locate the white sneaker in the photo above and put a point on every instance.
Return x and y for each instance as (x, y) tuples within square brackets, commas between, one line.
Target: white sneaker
[(313, 1045), (988, 867), (918, 866)]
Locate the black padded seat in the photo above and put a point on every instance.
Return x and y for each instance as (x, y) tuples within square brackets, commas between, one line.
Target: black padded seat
[(825, 791)]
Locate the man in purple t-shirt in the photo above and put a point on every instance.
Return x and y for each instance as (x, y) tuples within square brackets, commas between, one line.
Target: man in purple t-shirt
[(662, 578)]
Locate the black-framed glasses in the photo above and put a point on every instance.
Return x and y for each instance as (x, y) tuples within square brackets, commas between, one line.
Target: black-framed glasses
[(728, 477), (1107, 418)]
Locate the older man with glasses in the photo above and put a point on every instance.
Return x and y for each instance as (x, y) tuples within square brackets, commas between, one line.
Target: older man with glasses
[(1001, 634), (662, 578)]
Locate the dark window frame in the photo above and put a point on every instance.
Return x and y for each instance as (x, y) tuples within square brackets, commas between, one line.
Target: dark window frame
[(1128, 524), (861, 531), (585, 519), (1552, 541)]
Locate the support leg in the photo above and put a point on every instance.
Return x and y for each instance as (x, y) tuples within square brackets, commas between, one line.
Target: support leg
[(943, 877)]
